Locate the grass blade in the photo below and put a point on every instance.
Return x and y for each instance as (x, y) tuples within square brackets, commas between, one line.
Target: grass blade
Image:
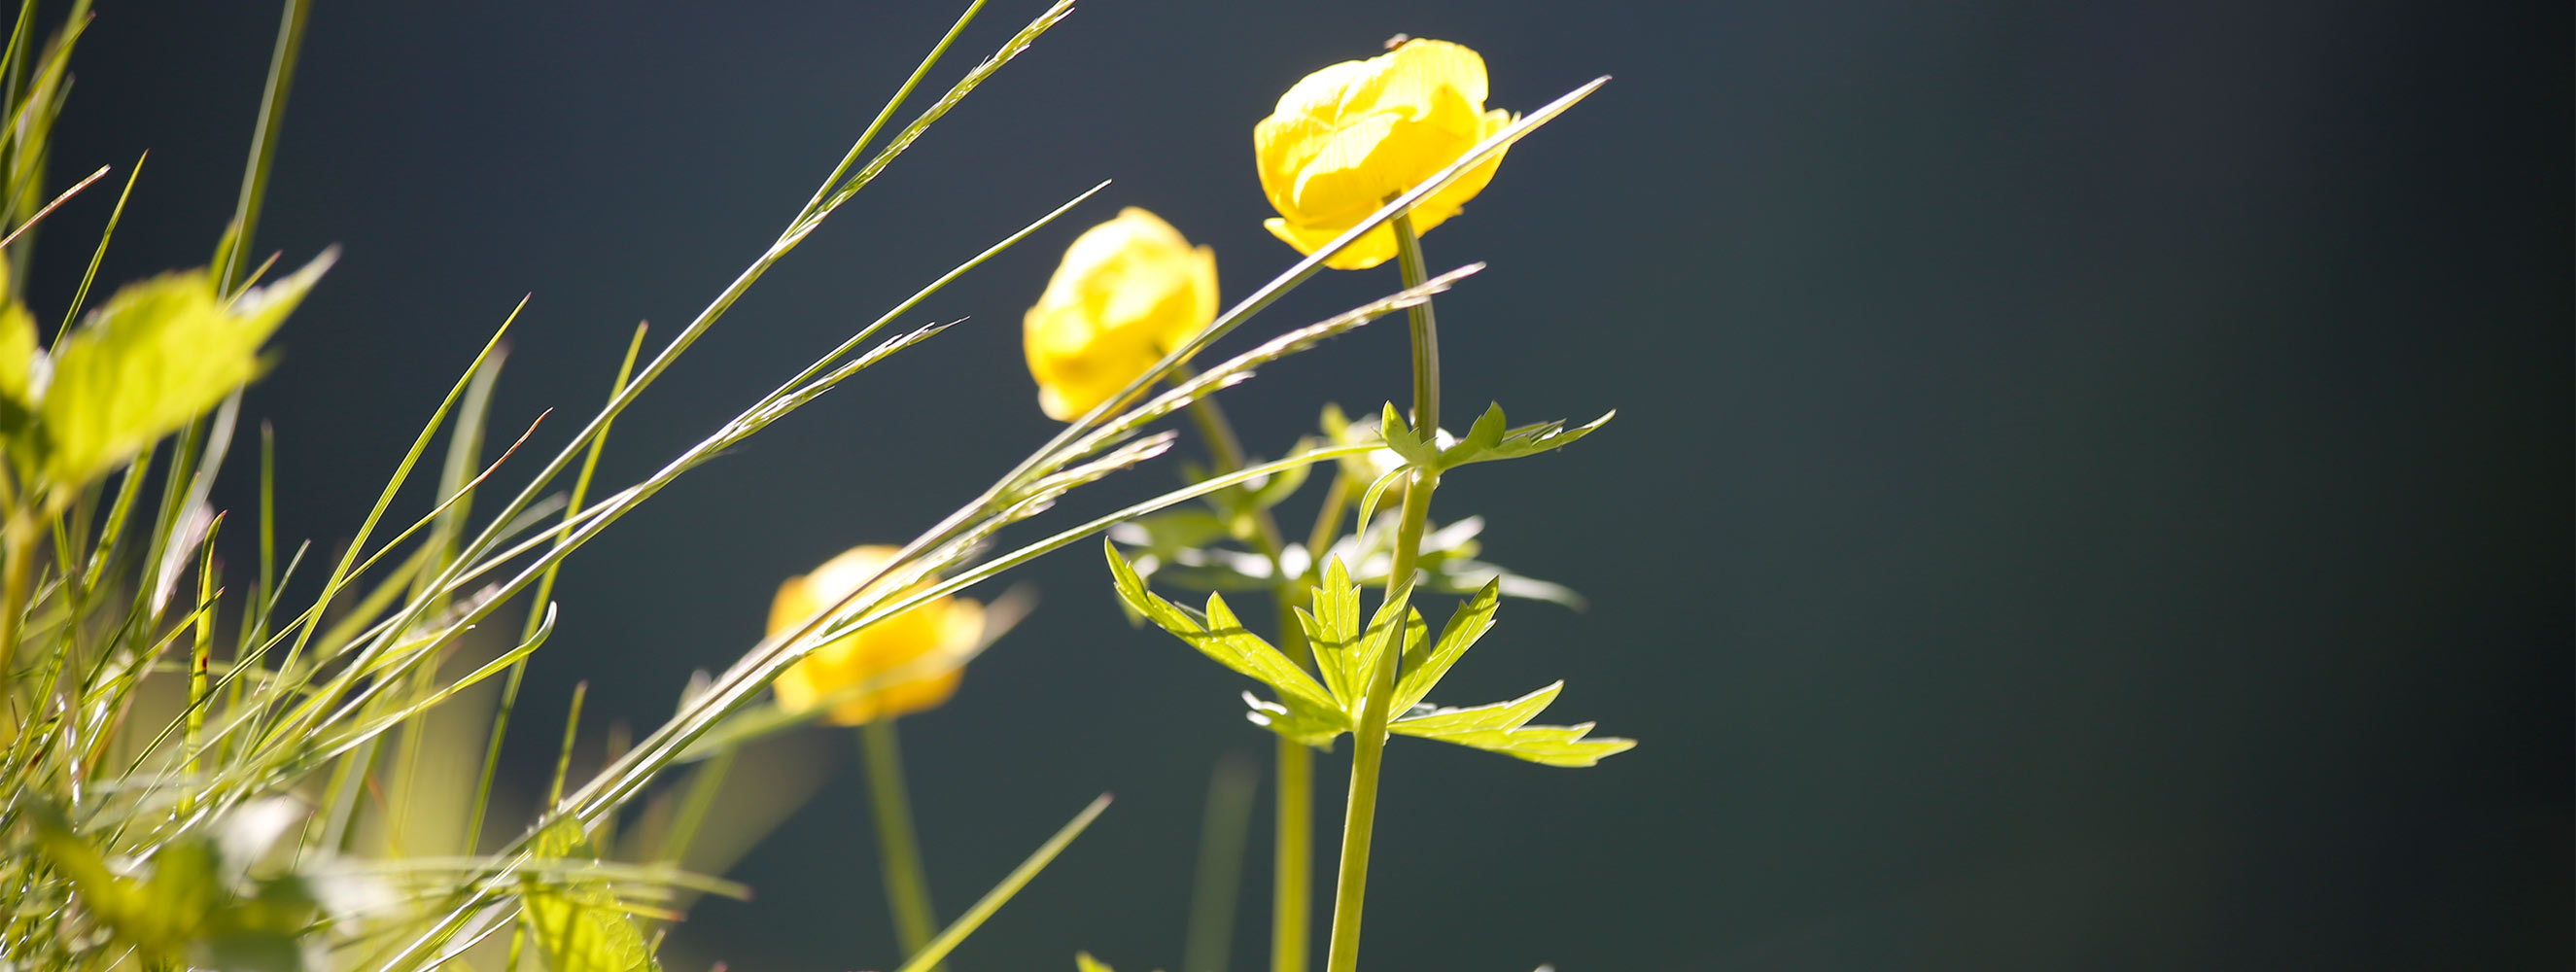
[(994, 899)]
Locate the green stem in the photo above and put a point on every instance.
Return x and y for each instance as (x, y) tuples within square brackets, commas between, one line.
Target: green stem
[(1368, 749), (1426, 333), (1293, 859), (907, 894), (1292, 871)]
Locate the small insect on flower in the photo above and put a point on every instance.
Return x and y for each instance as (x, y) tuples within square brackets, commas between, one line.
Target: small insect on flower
[(932, 637), (1129, 291), (1349, 136)]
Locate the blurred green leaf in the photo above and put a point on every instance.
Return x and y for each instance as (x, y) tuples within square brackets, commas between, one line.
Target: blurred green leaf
[(157, 354), (579, 926), (1502, 727)]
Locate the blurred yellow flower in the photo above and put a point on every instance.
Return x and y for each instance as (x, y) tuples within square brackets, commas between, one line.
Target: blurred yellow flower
[(1351, 135), (1128, 291), (921, 634)]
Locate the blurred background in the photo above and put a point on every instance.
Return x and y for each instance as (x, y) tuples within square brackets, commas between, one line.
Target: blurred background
[(2091, 487)]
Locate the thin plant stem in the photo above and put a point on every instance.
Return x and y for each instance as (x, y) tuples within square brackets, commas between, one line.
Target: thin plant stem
[(1292, 872), (1426, 332), (1328, 521), (907, 893), (1368, 748), (1293, 858), (1223, 827)]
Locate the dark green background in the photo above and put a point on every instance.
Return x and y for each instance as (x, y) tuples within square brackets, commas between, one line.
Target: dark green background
[(2091, 487)]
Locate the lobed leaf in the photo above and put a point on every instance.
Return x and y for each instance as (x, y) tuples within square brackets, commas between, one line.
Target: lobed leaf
[(1422, 669), (1502, 727), (1219, 636)]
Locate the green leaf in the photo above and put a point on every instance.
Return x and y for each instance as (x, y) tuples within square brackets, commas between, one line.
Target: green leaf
[(1503, 727), (1414, 450), (1331, 626), (1523, 441), (1485, 434), (1299, 722), (1219, 636), (1362, 660), (157, 354), (1422, 670), (159, 915), (17, 364), (578, 925), (1377, 491)]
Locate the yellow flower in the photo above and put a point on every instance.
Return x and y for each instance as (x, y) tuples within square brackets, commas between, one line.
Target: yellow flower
[(1128, 291), (1351, 135), (921, 634)]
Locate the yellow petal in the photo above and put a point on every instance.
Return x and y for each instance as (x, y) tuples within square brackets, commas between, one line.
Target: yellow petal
[(1368, 251)]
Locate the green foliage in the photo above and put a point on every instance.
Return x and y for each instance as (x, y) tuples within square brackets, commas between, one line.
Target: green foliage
[(578, 924), (1345, 653), (197, 904), (1490, 439), (155, 356)]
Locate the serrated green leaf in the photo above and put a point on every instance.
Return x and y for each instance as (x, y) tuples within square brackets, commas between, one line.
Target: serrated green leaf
[(1415, 451), (1422, 669), (1331, 626), (1502, 727), (1486, 434), (579, 926), (157, 354), (1218, 635), (1523, 441), (1372, 645)]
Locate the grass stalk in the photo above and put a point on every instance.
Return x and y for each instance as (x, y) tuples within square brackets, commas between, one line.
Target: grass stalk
[(263, 141)]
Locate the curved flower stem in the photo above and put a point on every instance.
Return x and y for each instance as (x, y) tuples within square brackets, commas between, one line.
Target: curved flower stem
[(1426, 332), (1368, 749), (907, 893), (1293, 828)]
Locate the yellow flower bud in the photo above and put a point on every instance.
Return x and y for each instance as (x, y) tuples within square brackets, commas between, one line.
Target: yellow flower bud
[(1351, 135), (920, 634), (1129, 290)]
